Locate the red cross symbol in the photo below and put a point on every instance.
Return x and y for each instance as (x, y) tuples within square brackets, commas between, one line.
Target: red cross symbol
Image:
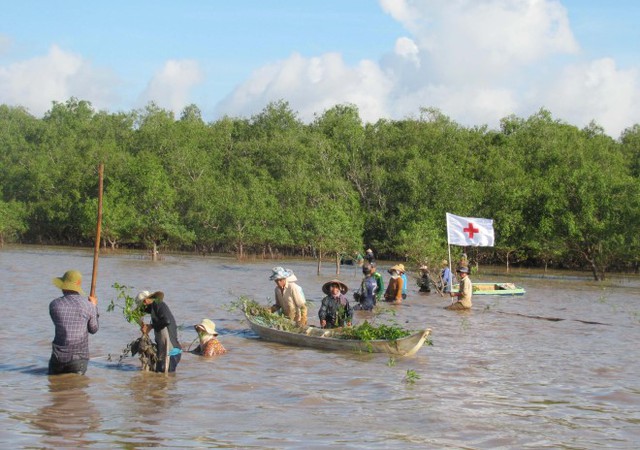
[(471, 230)]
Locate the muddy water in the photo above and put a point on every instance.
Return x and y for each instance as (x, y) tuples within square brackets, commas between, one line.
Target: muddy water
[(501, 376)]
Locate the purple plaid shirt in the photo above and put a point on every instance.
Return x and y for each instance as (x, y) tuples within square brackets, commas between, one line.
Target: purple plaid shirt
[(74, 317)]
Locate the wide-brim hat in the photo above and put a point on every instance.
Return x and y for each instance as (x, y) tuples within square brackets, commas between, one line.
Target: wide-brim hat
[(280, 273), (401, 268), (369, 250), (397, 268), (462, 269), (445, 262), (343, 287), (70, 281), (208, 326), (143, 295)]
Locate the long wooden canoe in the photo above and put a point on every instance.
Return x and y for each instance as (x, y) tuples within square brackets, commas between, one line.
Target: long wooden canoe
[(323, 339), (494, 289)]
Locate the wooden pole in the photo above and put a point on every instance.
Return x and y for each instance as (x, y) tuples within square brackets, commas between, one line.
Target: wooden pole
[(96, 250)]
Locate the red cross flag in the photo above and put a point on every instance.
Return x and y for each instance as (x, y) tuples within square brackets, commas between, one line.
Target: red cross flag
[(469, 231)]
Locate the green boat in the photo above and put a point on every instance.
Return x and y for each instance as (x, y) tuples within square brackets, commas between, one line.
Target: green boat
[(494, 289)]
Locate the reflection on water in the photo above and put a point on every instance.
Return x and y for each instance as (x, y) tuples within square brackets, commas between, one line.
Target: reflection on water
[(69, 414), (537, 371)]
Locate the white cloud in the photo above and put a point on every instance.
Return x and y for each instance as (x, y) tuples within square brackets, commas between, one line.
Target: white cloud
[(469, 58), (312, 85), (58, 75), (170, 87), (476, 60), (597, 89), (408, 49)]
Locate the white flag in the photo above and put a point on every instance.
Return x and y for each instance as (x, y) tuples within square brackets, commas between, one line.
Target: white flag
[(469, 231)]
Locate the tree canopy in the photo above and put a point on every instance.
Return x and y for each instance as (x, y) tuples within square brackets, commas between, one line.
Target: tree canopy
[(271, 185)]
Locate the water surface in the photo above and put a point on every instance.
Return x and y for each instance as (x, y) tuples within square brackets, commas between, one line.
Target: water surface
[(500, 376)]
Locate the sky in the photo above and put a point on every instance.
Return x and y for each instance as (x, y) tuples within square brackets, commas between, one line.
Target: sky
[(477, 61)]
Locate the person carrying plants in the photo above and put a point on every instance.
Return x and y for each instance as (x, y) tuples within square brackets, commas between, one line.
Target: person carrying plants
[(74, 317), (289, 296), (164, 328)]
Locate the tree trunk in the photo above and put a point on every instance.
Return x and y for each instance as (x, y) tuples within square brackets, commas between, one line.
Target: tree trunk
[(154, 252)]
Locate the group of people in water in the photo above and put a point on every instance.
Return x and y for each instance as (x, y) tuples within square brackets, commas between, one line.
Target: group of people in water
[(75, 317)]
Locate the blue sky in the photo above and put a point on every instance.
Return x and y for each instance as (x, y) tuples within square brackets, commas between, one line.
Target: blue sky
[(477, 61)]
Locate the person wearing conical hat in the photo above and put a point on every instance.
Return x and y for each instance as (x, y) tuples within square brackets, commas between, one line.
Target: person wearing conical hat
[(208, 337), (335, 310), (165, 329), (424, 282), (74, 317), (289, 296)]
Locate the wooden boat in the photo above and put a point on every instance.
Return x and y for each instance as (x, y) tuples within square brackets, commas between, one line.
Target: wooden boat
[(324, 339), (494, 289)]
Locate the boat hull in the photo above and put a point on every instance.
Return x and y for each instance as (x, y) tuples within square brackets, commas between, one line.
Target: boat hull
[(321, 339), (494, 289)]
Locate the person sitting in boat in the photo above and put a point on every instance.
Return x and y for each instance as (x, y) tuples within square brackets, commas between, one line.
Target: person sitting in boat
[(405, 281), (424, 282), (366, 295), (445, 281), (465, 292), (393, 294), (208, 337), (335, 310), (289, 296)]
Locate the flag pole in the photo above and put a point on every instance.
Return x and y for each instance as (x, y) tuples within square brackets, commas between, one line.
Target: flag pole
[(449, 248)]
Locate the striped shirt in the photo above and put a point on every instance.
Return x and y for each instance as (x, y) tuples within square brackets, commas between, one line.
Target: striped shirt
[(74, 317)]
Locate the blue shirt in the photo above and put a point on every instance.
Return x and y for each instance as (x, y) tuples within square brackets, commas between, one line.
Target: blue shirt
[(74, 317)]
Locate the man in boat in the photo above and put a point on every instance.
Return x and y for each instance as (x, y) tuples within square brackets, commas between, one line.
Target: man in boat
[(289, 296), (335, 310), (465, 292), (164, 329), (393, 294), (366, 295), (208, 337), (74, 317)]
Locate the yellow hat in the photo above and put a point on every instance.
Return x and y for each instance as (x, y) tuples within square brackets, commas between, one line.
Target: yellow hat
[(70, 281)]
